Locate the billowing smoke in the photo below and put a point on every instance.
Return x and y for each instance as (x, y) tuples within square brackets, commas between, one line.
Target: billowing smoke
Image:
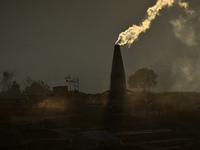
[(184, 31), (186, 74), (132, 33)]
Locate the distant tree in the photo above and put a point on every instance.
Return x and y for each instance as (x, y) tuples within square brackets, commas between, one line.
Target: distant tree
[(6, 80), (14, 89), (142, 79), (37, 88), (27, 82)]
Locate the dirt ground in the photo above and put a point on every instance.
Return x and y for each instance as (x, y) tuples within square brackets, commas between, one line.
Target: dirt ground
[(139, 130)]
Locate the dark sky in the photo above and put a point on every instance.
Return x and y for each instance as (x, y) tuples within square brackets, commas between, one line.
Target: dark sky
[(48, 40)]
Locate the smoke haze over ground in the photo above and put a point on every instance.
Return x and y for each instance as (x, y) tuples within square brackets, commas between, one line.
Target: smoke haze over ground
[(49, 40)]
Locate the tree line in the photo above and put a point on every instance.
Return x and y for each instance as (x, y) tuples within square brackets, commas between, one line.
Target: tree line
[(142, 79), (10, 87)]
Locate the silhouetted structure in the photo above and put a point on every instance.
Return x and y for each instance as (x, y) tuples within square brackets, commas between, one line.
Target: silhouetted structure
[(60, 90), (117, 93)]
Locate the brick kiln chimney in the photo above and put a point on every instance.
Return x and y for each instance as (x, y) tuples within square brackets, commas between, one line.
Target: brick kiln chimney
[(117, 94)]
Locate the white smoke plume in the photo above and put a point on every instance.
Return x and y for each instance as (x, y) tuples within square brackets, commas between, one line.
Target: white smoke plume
[(184, 31), (132, 33)]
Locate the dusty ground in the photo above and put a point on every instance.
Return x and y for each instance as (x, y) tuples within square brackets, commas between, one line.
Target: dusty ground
[(138, 130)]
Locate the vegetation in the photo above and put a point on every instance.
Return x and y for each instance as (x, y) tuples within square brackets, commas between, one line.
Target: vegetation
[(142, 79), (6, 80), (11, 88), (36, 87), (14, 89)]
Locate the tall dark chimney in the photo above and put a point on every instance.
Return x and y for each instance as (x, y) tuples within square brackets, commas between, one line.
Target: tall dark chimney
[(117, 94)]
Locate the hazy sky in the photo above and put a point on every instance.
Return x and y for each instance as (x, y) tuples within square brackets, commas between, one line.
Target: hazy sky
[(48, 40)]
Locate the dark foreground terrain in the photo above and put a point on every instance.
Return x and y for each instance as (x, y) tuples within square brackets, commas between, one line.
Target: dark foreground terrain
[(52, 129)]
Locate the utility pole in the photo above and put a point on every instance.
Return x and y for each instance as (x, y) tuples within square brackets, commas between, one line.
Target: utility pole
[(68, 79), (147, 80), (75, 82), (166, 86)]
